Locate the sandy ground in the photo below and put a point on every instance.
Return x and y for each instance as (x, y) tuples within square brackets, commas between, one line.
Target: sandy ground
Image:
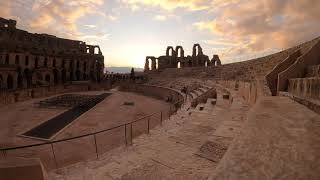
[(17, 118)]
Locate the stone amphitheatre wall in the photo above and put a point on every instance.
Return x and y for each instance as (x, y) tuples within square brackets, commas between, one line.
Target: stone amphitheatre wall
[(249, 90), (163, 93), (243, 71), (9, 97)]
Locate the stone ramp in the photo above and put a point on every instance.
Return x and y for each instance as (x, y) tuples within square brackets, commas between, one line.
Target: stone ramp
[(280, 140)]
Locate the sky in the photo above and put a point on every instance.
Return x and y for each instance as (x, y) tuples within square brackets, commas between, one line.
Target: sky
[(129, 30)]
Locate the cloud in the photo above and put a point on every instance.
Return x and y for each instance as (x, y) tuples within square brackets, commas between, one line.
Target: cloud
[(62, 14), (91, 26), (265, 24), (193, 5), (160, 18)]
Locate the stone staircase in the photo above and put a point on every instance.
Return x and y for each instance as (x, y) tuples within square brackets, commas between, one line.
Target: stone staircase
[(198, 92), (298, 77)]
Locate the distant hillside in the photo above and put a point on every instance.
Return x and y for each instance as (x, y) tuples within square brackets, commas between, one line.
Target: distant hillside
[(122, 69)]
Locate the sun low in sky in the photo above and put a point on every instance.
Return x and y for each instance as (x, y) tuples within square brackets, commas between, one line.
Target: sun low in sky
[(129, 30)]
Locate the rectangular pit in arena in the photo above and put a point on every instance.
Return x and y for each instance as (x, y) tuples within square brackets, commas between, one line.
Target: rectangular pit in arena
[(79, 104)]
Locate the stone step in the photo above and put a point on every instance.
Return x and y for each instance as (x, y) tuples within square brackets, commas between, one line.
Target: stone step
[(206, 87), (202, 90), (197, 92), (193, 95), (313, 71)]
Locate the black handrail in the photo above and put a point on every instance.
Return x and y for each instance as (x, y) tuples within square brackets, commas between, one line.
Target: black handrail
[(84, 135)]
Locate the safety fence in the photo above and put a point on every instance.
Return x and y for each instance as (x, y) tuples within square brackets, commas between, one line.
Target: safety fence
[(63, 152)]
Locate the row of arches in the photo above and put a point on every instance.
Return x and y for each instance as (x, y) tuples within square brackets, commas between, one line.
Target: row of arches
[(175, 58), (30, 61)]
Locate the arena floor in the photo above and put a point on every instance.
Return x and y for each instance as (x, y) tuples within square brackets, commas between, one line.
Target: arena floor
[(18, 118)]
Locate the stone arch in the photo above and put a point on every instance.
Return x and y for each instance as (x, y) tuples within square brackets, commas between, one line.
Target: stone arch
[(97, 50), (63, 64), (47, 78), (78, 75), (181, 51), (157, 63), (17, 60), (168, 51), (71, 75), (78, 64), (84, 76), (19, 78), (9, 81), (7, 59), (217, 60), (45, 62), (150, 63), (26, 60), (1, 82), (55, 73), (28, 76), (71, 64), (64, 76), (54, 62), (85, 66), (92, 77), (197, 50), (36, 62)]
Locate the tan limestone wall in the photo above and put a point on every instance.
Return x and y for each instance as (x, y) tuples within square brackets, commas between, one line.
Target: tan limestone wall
[(297, 70)]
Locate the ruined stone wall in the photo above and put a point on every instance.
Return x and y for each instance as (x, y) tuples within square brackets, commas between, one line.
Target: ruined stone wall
[(177, 59), (249, 90), (243, 71), (30, 60)]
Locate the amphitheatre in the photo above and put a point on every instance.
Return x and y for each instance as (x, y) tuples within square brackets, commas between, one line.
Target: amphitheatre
[(188, 117)]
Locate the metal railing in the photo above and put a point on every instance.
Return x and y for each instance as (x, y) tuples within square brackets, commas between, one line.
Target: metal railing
[(63, 152)]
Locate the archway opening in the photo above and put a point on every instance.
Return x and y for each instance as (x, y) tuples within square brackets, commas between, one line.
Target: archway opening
[(7, 59), (54, 63), (179, 52), (45, 62), (47, 78), (55, 76), (78, 75), (1, 82), (36, 62), (28, 77), (157, 64), (178, 65), (96, 50), (150, 64), (9, 82), (64, 76), (17, 61), (71, 76), (206, 64)]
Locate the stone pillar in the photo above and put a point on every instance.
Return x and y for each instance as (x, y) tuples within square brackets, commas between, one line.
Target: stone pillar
[(146, 66)]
